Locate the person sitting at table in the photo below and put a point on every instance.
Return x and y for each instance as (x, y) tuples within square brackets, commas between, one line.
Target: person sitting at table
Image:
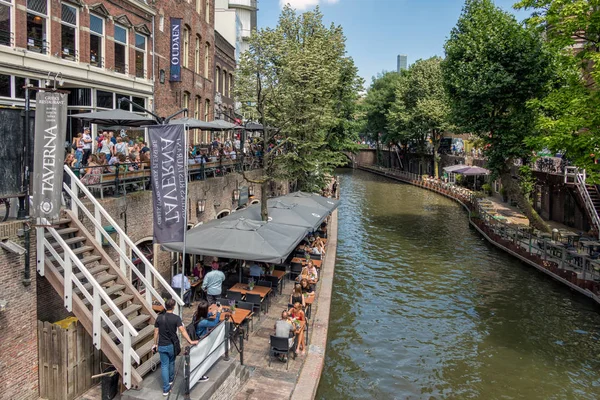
[(319, 244), (313, 273), (285, 329), (176, 284), (204, 320), (297, 314), (296, 296), (306, 287), (198, 271), (256, 271)]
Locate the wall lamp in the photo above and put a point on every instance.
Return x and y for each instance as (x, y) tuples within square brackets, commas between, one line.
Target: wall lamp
[(161, 76), (236, 195), (250, 190), (201, 205)]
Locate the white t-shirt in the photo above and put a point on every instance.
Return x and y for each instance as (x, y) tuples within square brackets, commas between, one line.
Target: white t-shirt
[(87, 141)]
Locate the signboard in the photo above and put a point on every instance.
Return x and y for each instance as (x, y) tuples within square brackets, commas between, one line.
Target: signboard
[(175, 75), (169, 183), (49, 153), (243, 196)]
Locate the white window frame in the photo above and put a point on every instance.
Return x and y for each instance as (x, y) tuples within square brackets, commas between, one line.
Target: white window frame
[(197, 105), (207, 11), (144, 51), (217, 79), (197, 54), (186, 100), (206, 60), (185, 59), (47, 25), (11, 13), (101, 62), (126, 44), (76, 26)]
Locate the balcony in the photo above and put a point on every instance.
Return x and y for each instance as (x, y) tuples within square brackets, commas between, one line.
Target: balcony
[(247, 4)]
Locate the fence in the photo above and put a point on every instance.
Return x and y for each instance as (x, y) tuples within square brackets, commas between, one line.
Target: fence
[(562, 254), (67, 360)]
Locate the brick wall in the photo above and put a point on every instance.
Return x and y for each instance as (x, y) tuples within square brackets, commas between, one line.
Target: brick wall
[(18, 323)]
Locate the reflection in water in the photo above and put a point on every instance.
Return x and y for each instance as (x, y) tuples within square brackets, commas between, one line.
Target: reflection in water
[(424, 308)]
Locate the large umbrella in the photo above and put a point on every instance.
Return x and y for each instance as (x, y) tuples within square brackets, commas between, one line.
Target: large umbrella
[(454, 168), (242, 239), (472, 170), (281, 212), (115, 117), (193, 123), (311, 199), (253, 126), (223, 124)]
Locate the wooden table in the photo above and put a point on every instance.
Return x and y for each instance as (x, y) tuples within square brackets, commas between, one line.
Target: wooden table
[(262, 291), (316, 263), (237, 317), (194, 287), (309, 300)]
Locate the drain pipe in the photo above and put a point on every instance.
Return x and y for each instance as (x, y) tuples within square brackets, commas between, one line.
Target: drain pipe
[(27, 269)]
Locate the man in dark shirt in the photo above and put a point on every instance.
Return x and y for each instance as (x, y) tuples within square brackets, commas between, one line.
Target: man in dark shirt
[(165, 338), (145, 148)]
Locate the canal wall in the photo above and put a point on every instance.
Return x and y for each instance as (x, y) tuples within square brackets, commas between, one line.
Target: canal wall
[(550, 268)]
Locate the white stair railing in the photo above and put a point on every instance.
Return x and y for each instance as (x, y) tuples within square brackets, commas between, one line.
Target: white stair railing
[(150, 274), (96, 298), (587, 200)]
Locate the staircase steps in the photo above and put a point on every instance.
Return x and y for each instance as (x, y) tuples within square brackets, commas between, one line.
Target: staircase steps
[(127, 311), (148, 365), (135, 322), (118, 301), (71, 241), (142, 334), (102, 281), (61, 232), (109, 291), (95, 270)]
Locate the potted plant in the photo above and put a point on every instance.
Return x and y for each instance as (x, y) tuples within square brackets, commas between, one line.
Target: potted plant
[(487, 188), (251, 284)]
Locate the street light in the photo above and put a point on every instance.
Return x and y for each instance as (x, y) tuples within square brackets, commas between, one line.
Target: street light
[(251, 190), (201, 206), (236, 195)]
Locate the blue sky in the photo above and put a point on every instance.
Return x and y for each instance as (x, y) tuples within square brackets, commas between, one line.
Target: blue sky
[(378, 30)]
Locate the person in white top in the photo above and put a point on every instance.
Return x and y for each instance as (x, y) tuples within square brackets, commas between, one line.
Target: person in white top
[(87, 145)]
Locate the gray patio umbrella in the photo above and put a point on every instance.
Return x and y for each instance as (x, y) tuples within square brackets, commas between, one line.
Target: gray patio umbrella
[(242, 239), (471, 170), (196, 124), (281, 212), (223, 124), (115, 117), (253, 126), (311, 199), (454, 168)]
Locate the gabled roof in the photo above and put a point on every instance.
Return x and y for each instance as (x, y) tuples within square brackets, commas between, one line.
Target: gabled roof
[(142, 28), (99, 8), (123, 20)]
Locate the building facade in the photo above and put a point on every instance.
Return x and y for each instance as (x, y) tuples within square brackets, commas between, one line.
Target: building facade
[(402, 63), (224, 75), (194, 31), (246, 11)]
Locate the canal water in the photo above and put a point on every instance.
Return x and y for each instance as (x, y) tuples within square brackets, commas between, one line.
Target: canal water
[(424, 308)]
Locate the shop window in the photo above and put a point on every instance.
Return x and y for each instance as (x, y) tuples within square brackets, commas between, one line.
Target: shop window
[(120, 49), (68, 32), (6, 32), (5, 85), (104, 99), (20, 83), (96, 41), (80, 97), (37, 26), (140, 101), (140, 56)]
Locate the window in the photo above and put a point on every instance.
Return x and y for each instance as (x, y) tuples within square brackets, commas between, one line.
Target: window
[(198, 6), (80, 97), (140, 101), (12, 86), (197, 55), (230, 85), (140, 55), (207, 11), (120, 49), (37, 26), (217, 75), (206, 60), (197, 107), (68, 33), (5, 85), (123, 105), (224, 90), (161, 23), (6, 34), (20, 92), (96, 41), (186, 47), (206, 109), (186, 100), (104, 99)]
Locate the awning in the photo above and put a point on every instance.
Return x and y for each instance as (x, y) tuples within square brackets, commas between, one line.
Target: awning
[(242, 239), (311, 200), (454, 168), (115, 117), (286, 213), (472, 170)]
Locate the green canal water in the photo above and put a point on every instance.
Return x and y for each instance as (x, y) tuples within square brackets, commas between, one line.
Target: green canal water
[(424, 308)]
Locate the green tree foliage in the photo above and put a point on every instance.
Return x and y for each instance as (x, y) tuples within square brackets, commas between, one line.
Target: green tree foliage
[(303, 87), (380, 97), (420, 109), (568, 117), (493, 68)]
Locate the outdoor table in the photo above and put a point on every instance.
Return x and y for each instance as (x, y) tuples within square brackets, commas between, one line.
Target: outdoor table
[(237, 317), (194, 285), (262, 291), (590, 245), (570, 236), (316, 263), (309, 300), (279, 275)]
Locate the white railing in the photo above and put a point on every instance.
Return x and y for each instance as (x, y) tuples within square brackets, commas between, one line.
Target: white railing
[(125, 242), (95, 298), (587, 200)]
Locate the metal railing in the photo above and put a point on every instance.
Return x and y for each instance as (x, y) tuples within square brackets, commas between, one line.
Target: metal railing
[(125, 245), (95, 298), (587, 200)]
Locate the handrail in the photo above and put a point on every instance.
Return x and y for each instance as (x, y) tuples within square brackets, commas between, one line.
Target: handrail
[(95, 299), (150, 270), (580, 182)]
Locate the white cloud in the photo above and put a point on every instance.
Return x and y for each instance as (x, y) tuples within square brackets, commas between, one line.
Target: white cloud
[(302, 5)]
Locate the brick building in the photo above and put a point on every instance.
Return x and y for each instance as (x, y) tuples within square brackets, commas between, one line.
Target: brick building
[(195, 89), (224, 71)]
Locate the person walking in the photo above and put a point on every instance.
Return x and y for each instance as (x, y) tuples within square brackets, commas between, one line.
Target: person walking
[(87, 146), (167, 343), (213, 282)]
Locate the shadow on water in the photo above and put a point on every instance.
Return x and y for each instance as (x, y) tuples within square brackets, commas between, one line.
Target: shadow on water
[(424, 308)]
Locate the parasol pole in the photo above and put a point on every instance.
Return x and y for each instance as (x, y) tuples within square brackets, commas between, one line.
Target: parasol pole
[(185, 217)]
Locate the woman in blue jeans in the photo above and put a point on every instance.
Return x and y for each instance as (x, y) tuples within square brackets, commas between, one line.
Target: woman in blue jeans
[(203, 320), (165, 338)]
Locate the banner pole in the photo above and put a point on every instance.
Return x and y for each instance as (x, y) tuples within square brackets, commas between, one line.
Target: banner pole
[(185, 215)]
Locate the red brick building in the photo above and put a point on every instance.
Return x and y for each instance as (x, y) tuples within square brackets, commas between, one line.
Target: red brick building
[(195, 90), (224, 72)]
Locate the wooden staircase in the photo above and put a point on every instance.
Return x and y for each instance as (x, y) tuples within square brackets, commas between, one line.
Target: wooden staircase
[(594, 197), (110, 277), (588, 194)]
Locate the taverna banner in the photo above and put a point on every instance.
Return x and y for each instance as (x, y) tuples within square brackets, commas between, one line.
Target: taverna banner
[(49, 153), (169, 183)]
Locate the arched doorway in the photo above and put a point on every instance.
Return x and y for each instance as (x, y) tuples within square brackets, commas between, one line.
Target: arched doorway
[(223, 214), (146, 246), (255, 201)]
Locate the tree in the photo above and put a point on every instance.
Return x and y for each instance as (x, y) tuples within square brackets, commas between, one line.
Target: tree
[(568, 117), (493, 68), (299, 81), (421, 108)]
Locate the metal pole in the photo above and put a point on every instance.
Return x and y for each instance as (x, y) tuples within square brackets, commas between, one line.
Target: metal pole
[(241, 336), (185, 218), (186, 374), (226, 342), (24, 200)]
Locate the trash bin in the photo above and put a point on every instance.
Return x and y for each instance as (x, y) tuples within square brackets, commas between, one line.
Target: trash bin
[(110, 384), (111, 231)]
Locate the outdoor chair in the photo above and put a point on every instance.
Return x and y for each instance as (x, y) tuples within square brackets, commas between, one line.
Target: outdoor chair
[(224, 302), (275, 283), (295, 270), (279, 346), (244, 305), (281, 267), (266, 283), (232, 295), (315, 256), (257, 301)]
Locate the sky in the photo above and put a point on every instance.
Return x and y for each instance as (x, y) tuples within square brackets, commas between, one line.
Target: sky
[(378, 30)]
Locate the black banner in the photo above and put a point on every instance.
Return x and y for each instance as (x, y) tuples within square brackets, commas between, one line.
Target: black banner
[(169, 183), (49, 153)]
